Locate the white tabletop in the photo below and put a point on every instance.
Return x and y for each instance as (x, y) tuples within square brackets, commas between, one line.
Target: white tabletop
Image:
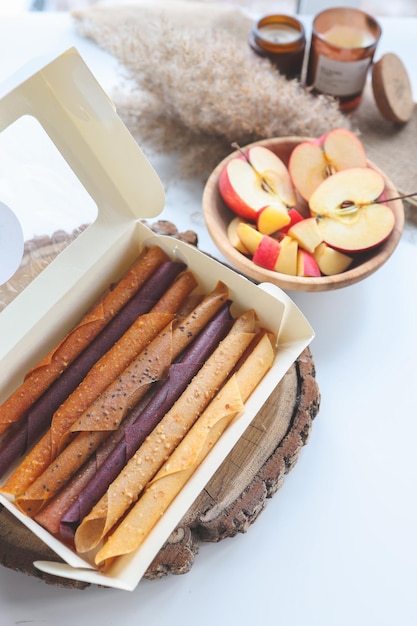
[(337, 545)]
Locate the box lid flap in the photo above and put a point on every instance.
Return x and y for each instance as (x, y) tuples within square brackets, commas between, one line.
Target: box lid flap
[(82, 122)]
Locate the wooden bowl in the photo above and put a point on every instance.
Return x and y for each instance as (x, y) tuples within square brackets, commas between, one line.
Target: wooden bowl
[(217, 216)]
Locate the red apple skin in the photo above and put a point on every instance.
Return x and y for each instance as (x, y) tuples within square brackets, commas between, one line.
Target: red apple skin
[(295, 216), (307, 264), (232, 200), (267, 252)]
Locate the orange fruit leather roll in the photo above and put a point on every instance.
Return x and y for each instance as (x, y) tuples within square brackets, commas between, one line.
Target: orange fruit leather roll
[(111, 365), (156, 448), (185, 331), (186, 458), (126, 390), (108, 410), (37, 419), (39, 378)]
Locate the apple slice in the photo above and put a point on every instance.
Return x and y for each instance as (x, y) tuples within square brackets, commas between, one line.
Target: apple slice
[(312, 162), (307, 264), (233, 236), (287, 258), (295, 216), (331, 261), (347, 215), (272, 218), (267, 253), (249, 236), (251, 181), (307, 233)]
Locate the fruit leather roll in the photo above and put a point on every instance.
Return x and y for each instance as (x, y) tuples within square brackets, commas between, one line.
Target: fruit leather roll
[(151, 365), (184, 460), (180, 375), (38, 418), (166, 435), (195, 318), (57, 360), (114, 361), (111, 407)]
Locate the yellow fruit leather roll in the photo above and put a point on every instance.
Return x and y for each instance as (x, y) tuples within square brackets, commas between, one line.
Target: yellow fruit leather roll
[(160, 443), (186, 329), (188, 455), (39, 378), (151, 365)]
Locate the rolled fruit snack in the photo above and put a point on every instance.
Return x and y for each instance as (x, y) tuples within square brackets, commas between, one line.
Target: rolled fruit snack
[(150, 449), (182, 463), (195, 319), (38, 417), (105, 370), (40, 377), (79, 449)]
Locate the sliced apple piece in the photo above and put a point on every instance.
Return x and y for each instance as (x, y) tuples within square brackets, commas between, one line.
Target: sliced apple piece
[(307, 264), (312, 162), (307, 233), (287, 258), (233, 236), (251, 181), (249, 236), (331, 261), (267, 253), (295, 216), (272, 218), (347, 215)]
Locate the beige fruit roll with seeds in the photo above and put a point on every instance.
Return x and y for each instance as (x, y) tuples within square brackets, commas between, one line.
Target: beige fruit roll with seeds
[(188, 455), (154, 451)]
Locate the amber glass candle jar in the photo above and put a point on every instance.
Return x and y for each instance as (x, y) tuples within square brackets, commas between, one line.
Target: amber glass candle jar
[(281, 39), (343, 44)]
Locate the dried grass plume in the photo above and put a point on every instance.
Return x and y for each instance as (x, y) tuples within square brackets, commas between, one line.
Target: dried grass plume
[(197, 86)]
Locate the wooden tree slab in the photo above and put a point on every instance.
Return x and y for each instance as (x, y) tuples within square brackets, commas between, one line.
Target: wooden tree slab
[(232, 500)]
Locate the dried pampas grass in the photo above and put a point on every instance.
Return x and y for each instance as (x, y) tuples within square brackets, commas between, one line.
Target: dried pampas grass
[(197, 86)]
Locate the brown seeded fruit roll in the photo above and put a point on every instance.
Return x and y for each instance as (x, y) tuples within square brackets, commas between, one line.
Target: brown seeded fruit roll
[(197, 311), (79, 449), (105, 370), (46, 371), (152, 447), (38, 417)]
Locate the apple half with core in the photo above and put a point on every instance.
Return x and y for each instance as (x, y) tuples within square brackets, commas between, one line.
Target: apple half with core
[(349, 213), (311, 162), (254, 179)]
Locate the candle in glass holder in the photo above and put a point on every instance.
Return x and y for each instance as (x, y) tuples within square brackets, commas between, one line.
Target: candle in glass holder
[(281, 39), (342, 47)]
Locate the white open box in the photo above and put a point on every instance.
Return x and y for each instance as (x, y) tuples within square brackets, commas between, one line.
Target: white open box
[(78, 117)]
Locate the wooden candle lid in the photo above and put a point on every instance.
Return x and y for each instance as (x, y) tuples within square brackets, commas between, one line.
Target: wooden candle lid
[(392, 89)]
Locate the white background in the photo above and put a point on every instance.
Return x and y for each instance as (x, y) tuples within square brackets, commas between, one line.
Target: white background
[(337, 545)]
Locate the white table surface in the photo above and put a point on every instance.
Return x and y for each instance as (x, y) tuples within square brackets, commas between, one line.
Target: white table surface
[(337, 545)]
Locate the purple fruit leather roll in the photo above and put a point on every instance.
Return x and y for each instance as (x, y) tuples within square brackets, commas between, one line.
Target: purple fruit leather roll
[(38, 418), (147, 418)]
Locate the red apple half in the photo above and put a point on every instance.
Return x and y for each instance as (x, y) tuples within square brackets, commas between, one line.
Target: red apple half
[(347, 215), (248, 183), (311, 162)]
